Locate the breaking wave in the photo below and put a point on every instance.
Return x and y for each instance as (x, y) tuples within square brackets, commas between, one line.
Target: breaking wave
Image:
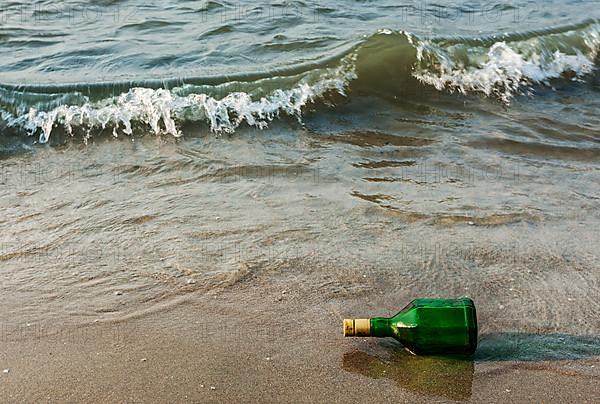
[(388, 64)]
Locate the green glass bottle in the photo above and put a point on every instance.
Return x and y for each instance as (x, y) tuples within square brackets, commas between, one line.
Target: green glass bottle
[(425, 326)]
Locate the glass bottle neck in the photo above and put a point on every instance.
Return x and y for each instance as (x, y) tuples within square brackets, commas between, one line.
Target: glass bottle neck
[(380, 327)]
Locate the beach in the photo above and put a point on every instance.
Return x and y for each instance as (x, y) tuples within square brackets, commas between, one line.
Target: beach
[(282, 349), (134, 302), (194, 195)]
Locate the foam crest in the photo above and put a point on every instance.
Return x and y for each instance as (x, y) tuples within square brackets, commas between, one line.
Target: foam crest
[(161, 111), (384, 64), (504, 68)]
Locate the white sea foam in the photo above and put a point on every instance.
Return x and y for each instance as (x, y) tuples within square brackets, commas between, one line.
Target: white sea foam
[(500, 70), (506, 67), (160, 110)]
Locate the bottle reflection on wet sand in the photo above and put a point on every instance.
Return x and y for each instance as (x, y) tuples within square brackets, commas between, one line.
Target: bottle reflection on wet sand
[(451, 377), (448, 377)]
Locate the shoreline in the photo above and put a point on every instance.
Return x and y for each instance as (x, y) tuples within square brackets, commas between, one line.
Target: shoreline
[(254, 344)]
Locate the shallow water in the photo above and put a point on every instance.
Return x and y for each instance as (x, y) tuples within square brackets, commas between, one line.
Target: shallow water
[(347, 150)]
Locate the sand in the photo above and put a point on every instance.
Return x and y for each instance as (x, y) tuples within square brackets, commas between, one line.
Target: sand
[(251, 343)]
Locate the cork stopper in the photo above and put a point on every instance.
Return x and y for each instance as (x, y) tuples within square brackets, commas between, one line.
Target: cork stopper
[(360, 327)]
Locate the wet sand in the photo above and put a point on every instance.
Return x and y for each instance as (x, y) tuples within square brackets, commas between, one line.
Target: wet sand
[(253, 343)]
